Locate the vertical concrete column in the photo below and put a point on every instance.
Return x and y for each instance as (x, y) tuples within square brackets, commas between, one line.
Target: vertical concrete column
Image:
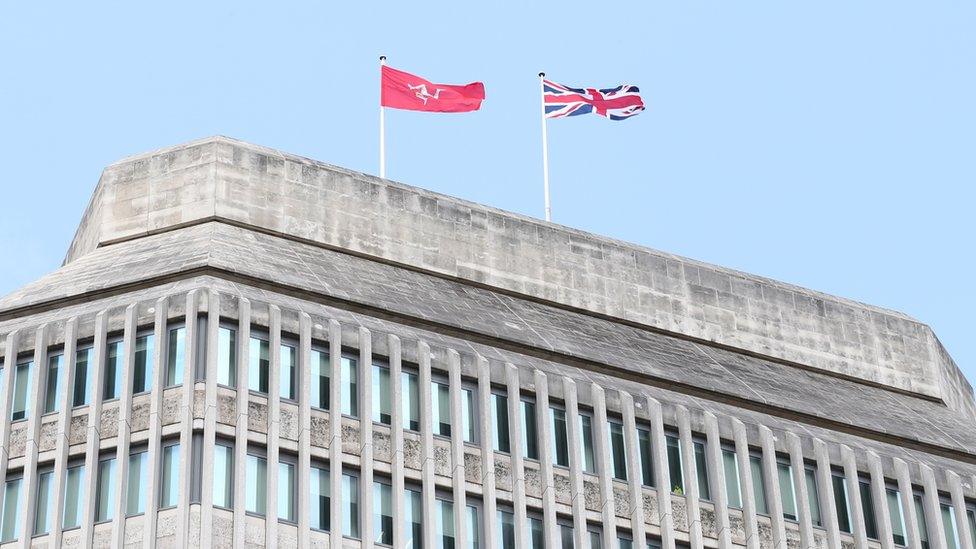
[(94, 416), (64, 428), (243, 417), (746, 484), (933, 508), (959, 504), (546, 457), (852, 482), (635, 482), (662, 475), (274, 426), (907, 497), (601, 446), (304, 379), (713, 447), (186, 427), (335, 434), (828, 511), (691, 477), (155, 421), (35, 407), (487, 438), (458, 482), (6, 397), (209, 418), (773, 492), (516, 421), (800, 491), (578, 498), (122, 446), (366, 397), (427, 444), (879, 494), (396, 441)]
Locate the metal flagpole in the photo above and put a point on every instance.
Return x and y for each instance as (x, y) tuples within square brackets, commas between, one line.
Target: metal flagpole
[(382, 123), (545, 146)]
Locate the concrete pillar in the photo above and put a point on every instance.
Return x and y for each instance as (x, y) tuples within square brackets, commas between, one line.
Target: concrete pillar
[(691, 477), (487, 426), (427, 444), (366, 397), (186, 427), (854, 497), (304, 380), (880, 496), (64, 428), (601, 446), (773, 500), (800, 491), (959, 504), (335, 434), (635, 482), (122, 446), (396, 441), (35, 407), (828, 511), (543, 419), (907, 496), (575, 466), (458, 481), (155, 424), (746, 484), (273, 438), (716, 467), (243, 417), (209, 416), (6, 397), (932, 507), (518, 452), (662, 475)]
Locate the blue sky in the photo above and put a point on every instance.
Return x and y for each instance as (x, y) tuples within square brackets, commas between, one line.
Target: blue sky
[(828, 144)]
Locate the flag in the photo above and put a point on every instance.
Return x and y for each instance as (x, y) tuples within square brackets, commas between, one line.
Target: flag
[(614, 103), (402, 90)]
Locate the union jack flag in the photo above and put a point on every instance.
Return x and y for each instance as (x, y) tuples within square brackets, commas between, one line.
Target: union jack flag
[(614, 103)]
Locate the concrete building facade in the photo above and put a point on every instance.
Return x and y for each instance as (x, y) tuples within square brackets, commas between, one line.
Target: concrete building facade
[(245, 348)]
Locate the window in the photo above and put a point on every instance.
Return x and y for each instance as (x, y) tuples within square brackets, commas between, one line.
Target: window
[(257, 485), (732, 483), (506, 530), (53, 384), (867, 505), (444, 527), (227, 357), (176, 357), (113, 371), (441, 409), (813, 496), (321, 373), (350, 387), (499, 410), (596, 540), (79, 393), (135, 499), (142, 367), (74, 496), (9, 523), (411, 401), (787, 493), (530, 438), (104, 502), (383, 513), (842, 502), (169, 477), (701, 469), (469, 420), (289, 370), (535, 535), (42, 513), (897, 517), (971, 517), (260, 360), (382, 407), (559, 442), (588, 456), (22, 382), (321, 497), (286, 491), (923, 531), (413, 518), (473, 524), (566, 540), (223, 481), (949, 526), (675, 467), (618, 454), (758, 484), (350, 496), (645, 454), (625, 543)]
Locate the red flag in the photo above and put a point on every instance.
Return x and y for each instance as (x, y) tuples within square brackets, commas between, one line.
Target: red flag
[(402, 90)]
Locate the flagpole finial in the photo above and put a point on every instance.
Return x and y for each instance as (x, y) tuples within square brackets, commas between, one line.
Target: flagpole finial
[(542, 75), (382, 58)]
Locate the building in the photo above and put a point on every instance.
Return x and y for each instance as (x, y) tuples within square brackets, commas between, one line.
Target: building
[(503, 382)]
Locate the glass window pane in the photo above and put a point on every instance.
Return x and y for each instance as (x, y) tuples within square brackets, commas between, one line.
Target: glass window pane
[(473, 524), (226, 357), (596, 541), (143, 365), (813, 497), (113, 371), (530, 440), (786, 492), (176, 357), (758, 484), (73, 493), (949, 526), (675, 467), (646, 459), (350, 387), (701, 469), (469, 420), (506, 530), (79, 393), (732, 483), (54, 370), (867, 505), (288, 369), (383, 513), (923, 531), (842, 503), (535, 537), (223, 483), (169, 478), (624, 543), (22, 382), (382, 407), (321, 497), (9, 524), (618, 455), (286, 491), (971, 517), (42, 514), (104, 500), (441, 409), (566, 540), (499, 410), (257, 485), (588, 457), (321, 373), (897, 516), (444, 526), (413, 510), (135, 499), (350, 497), (559, 442), (260, 360), (411, 401)]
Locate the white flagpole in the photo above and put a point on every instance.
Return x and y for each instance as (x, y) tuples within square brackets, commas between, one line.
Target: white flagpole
[(382, 123), (545, 146)]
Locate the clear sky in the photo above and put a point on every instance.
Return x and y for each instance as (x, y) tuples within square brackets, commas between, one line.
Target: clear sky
[(830, 144)]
